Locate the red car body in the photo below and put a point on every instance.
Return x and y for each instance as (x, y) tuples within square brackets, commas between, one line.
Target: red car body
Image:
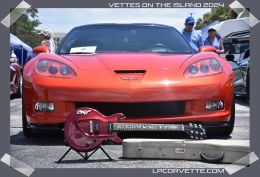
[(146, 87)]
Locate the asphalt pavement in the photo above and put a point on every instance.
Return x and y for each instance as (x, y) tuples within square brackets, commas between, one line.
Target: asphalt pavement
[(44, 150)]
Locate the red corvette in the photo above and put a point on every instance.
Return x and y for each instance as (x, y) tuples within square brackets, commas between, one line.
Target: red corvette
[(148, 72)]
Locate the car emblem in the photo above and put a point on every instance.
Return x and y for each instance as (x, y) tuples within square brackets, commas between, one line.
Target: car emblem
[(127, 78)]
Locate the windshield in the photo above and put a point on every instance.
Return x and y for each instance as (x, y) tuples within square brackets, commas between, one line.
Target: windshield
[(124, 38)]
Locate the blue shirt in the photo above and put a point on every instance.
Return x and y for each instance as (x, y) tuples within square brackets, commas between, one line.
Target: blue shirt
[(216, 43), (194, 38)]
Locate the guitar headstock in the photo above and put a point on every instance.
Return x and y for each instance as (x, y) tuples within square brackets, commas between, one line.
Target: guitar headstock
[(196, 131)]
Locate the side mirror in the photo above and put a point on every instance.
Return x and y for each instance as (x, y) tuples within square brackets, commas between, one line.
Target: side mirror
[(207, 49), (41, 49), (230, 57)]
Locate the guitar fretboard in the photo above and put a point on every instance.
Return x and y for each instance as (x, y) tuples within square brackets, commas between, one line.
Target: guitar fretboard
[(147, 127)]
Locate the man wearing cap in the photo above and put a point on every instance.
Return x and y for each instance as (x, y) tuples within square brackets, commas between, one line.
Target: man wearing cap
[(192, 36)]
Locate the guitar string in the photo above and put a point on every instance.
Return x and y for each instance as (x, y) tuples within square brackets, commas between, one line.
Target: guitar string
[(149, 125), (177, 130), (152, 124)]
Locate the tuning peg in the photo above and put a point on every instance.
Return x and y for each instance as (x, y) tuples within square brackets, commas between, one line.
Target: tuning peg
[(191, 131), (191, 137), (200, 126), (197, 132), (196, 137), (190, 124), (195, 125)]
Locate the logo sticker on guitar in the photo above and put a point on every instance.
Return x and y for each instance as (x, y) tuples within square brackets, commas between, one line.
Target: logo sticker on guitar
[(83, 112)]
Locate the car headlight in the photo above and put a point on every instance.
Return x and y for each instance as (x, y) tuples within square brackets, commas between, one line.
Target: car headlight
[(52, 68), (205, 67)]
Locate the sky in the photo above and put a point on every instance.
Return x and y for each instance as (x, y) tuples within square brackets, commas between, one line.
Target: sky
[(64, 19)]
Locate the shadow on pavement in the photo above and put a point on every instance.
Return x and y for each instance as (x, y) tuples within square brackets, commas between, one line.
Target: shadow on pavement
[(50, 138), (242, 101), (12, 97), (71, 161), (56, 138)]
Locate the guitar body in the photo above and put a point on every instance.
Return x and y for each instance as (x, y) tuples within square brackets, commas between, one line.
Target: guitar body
[(85, 129)]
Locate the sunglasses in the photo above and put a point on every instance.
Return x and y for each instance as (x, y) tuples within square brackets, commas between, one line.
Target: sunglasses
[(211, 30), (190, 24)]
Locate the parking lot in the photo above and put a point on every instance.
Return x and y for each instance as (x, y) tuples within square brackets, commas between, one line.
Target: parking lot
[(44, 150)]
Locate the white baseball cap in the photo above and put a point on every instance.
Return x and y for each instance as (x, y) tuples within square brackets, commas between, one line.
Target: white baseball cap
[(46, 32), (212, 27)]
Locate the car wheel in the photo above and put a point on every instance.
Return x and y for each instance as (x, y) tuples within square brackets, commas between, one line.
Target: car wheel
[(27, 131), (18, 93)]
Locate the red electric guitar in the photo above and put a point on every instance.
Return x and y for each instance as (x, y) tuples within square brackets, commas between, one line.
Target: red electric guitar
[(86, 129)]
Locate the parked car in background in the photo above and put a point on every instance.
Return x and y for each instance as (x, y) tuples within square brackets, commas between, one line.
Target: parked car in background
[(244, 64), (236, 44), (15, 77), (238, 54)]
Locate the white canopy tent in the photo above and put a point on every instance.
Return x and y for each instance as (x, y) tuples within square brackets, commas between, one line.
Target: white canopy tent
[(228, 27)]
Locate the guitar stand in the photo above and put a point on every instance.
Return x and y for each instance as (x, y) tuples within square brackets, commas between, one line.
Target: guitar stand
[(86, 156)]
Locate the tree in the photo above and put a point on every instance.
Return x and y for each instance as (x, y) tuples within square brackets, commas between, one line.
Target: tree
[(220, 14), (24, 28)]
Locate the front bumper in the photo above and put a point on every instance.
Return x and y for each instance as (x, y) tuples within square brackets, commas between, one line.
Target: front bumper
[(193, 92)]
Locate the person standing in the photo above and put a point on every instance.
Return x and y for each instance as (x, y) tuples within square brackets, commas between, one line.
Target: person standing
[(193, 37), (214, 40), (47, 39)]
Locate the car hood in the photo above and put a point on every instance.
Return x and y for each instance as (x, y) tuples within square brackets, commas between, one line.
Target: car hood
[(127, 60)]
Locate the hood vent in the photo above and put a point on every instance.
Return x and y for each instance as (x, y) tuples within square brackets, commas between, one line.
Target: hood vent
[(129, 71)]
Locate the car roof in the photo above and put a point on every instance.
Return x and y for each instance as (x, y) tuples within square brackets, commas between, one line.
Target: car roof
[(124, 24)]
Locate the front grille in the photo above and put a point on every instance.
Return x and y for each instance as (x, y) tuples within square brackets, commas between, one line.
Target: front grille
[(147, 109)]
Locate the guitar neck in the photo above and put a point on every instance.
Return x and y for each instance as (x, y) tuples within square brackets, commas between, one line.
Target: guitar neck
[(147, 127)]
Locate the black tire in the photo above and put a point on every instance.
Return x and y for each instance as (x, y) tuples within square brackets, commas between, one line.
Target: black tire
[(227, 130), (18, 93), (27, 131)]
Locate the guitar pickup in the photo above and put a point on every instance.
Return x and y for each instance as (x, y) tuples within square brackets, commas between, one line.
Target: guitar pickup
[(110, 128), (96, 127)]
